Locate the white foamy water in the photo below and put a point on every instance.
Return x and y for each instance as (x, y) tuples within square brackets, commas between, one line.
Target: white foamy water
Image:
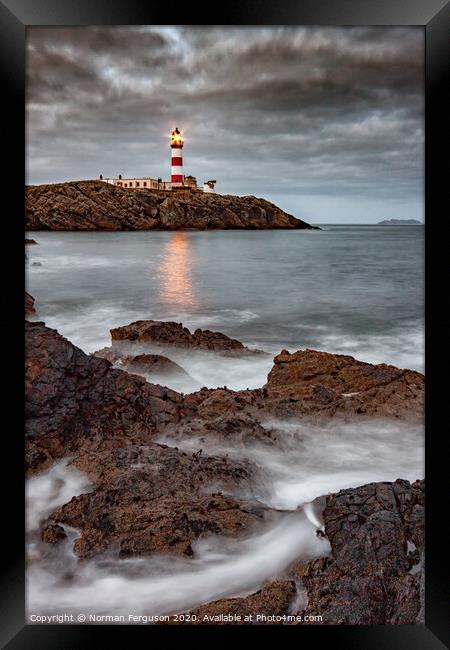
[(307, 461), (208, 369), (46, 492), (163, 585)]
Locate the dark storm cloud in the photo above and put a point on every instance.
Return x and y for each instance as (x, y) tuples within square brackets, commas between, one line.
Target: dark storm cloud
[(266, 111)]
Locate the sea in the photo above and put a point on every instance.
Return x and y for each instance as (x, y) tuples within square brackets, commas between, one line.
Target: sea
[(347, 289)]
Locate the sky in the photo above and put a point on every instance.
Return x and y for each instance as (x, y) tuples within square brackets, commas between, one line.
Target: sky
[(328, 123)]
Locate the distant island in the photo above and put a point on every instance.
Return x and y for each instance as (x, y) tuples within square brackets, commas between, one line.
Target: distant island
[(96, 205), (400, 222)]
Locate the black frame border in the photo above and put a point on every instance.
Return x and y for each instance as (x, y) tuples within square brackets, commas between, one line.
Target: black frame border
[(15, 16)]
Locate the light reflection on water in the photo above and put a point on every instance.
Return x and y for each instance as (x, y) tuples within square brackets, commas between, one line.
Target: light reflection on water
[(176, 285)]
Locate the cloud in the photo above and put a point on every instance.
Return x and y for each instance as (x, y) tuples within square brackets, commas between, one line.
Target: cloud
[(268, 111)]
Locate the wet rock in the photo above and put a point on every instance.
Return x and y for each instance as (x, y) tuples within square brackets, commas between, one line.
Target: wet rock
[(36, 457), (224, 417), (167, 334), (138, 525), (157, 499), (53, 533), (213, 403), (236, 430), (312, 382), (317, 386), (157, 470), (75, 400), (95, 205), (146, 365), (271, 601), (368, 579), (29, 304)]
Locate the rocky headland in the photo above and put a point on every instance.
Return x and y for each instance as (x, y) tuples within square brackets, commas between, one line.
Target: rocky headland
[(148, 497), (96, 205)]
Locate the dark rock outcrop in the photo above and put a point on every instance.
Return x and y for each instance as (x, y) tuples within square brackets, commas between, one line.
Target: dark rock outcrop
[(95, 205), (371, 578), (29, 304), (309, 381), (137, 525), (30, 241), (53, 533), (146, 365), (156, 499), (74, 399), (168, 334)]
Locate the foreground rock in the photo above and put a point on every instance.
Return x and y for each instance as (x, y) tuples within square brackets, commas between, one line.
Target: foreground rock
[(148, 498), (75, 400), (156, 499), (29, 304), (373, 577), (309, 384), (273, 600), (150, 366), (168, 525), (135, 525), (309, 381), (53, 533), (168, 334), (95, 205)]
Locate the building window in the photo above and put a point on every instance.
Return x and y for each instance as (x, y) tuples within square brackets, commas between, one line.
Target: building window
[(145, 184)]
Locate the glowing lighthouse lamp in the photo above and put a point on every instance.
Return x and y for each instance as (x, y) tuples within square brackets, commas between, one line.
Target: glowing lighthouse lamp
[(176, 144)]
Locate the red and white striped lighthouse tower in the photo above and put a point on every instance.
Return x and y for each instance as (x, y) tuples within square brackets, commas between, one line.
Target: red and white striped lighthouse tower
[(176, 146)]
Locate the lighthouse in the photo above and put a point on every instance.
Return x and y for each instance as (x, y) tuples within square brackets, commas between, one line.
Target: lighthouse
[(178, 181), (176, 145)]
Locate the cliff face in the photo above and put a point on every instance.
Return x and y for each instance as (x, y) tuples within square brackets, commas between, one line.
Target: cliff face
[(95, 205)]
